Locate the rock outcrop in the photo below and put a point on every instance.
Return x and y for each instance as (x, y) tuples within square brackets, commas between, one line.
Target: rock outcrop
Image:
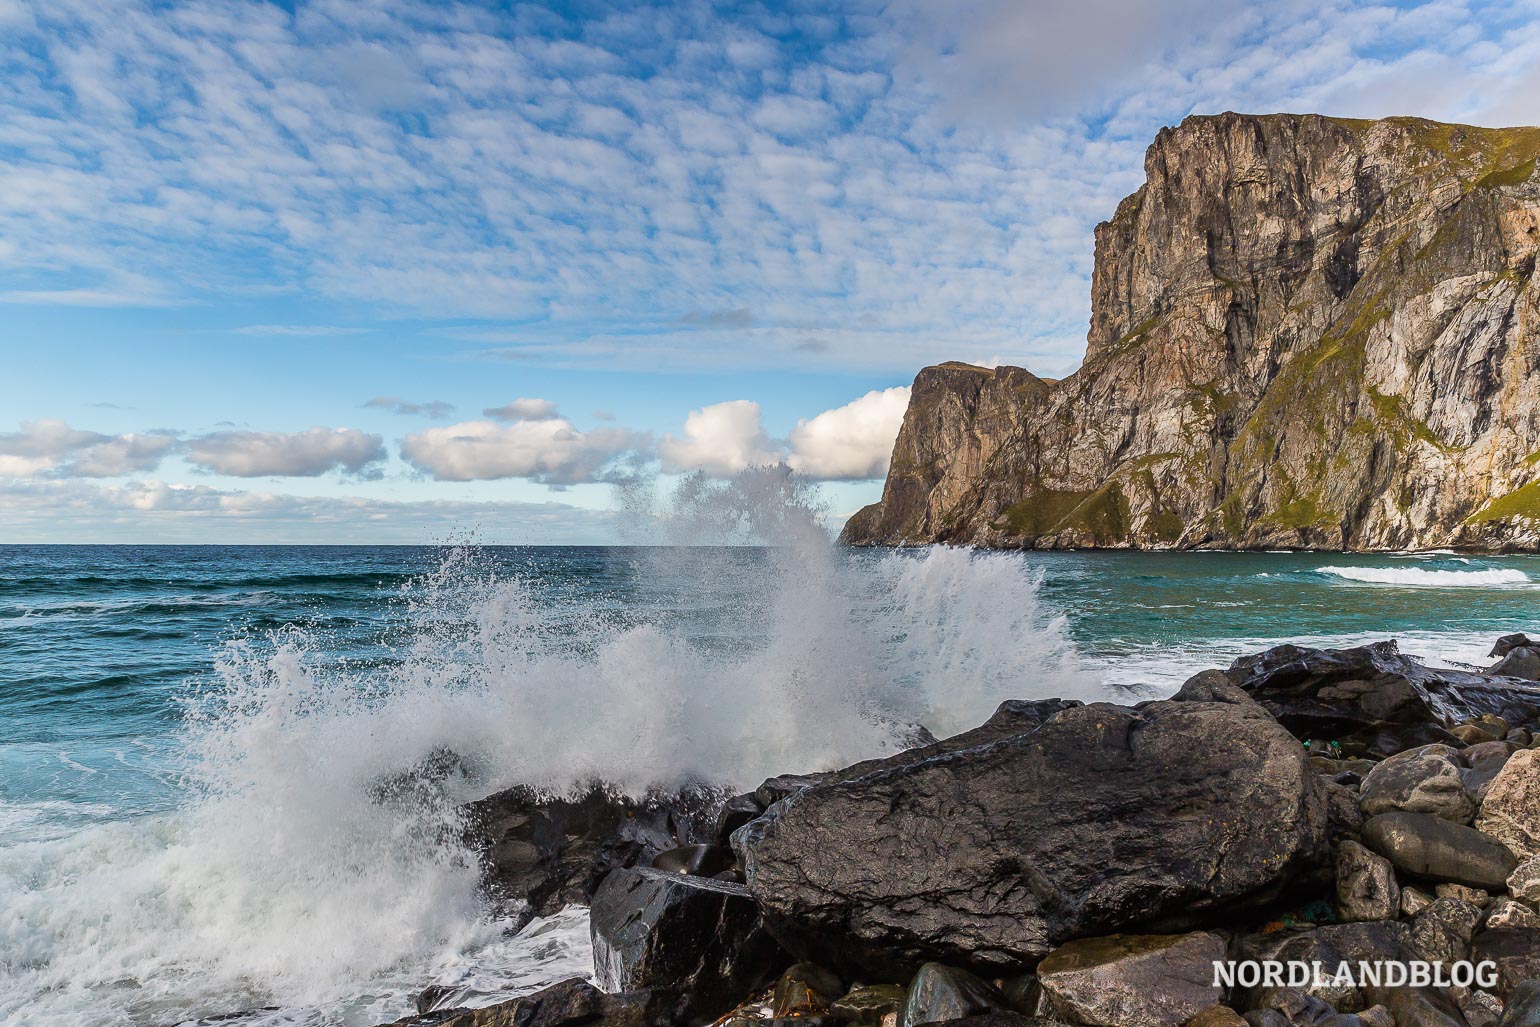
[(1305, 332)]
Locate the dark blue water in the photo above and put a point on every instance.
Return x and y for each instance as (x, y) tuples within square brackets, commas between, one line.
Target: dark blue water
[(190, 733)]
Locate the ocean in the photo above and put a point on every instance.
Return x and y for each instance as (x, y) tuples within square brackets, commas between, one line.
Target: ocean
[(194, 738)]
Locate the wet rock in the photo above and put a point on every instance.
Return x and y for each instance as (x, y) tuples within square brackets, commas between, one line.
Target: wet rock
[(553, 852), (1428, 779), (1522, 662), (694, 860), (1425, 846), (1510, 812), (1507, 913), (1524, 882), (940, 993), (806, 990), (696, 940), (1523, 1006), (1507, 643), (735, 812), (774, 789), (1372, 699), (1366, 884), (570, 1003), (978, 857), (1521, 737), (1133, 980), (1442, 932), (870, 1004), (1515, 950)]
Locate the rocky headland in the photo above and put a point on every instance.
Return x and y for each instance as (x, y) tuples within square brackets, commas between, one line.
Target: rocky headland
[(1072, 864), (1306, 332)]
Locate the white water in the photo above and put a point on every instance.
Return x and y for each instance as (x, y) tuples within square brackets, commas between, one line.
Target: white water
[(287, 881), (1420, 577)]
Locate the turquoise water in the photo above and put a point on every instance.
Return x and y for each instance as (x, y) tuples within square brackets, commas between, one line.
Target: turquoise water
[(188, 818)]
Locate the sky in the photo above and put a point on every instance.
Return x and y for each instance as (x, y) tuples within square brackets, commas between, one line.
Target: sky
[(404, 271)]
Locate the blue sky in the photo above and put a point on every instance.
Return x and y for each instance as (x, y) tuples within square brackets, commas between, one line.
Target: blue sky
[(393, 271)]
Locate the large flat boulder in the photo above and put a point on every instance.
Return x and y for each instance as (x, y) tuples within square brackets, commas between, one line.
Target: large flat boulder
[(1101, 819), (1155, 980), (1374, 700)]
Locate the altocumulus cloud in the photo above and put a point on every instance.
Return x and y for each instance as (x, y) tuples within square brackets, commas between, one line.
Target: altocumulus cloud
[(51, 446), (548, 450), (304, 454)]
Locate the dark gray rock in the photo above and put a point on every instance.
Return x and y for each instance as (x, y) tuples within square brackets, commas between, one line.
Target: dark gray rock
[(553, 852), (941, 994), (981, 857), (735, 812), (695, 860), (1428, 779), (1523, 1006), (1372, 699), (1333, 944), (1425, 846), (1515, 950), (1521, 662), (696, 940), (570, 1003), (1133, 980), (1507, 643)]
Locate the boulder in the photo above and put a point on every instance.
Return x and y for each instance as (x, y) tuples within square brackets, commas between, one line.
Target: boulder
[(805, 990), (1523, 1006), (570, 1003), (1442, 932), (981, 857), (1133, 980), (1366, 884), (1373, 700), (1473, 734), (940, 994), (1507, 643), (997, 1019), (1510, 812), (1524, 882), (1334, 944), (735, 812), (1428, 779), (869, 1004), (1414, 901), (1522, 662), (1507, 913), (1218, 1016), (696, 940), (1425, 846), (1481, 1009), (1475, 896), (545, 853), (1515, 950)]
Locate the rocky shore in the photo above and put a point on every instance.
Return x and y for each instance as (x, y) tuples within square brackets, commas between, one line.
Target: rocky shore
[(1076, 864)]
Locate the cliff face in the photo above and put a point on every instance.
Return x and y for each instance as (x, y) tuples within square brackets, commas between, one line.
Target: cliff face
[(1305, 332)]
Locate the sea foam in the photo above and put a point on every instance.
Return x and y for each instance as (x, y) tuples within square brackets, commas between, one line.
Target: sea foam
[(1423, 577)]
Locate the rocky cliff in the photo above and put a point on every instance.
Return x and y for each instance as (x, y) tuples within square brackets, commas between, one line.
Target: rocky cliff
[(1305, 332)]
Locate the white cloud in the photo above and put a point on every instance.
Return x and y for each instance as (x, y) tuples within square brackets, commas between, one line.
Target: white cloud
[(852, 442), (721, 439), (51, 446), (548, 450), (436, 409), (315, 451), (522, 409)]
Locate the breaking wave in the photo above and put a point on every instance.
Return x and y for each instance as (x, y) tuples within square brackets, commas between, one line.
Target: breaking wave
[(315, 864), (1422, 577)]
